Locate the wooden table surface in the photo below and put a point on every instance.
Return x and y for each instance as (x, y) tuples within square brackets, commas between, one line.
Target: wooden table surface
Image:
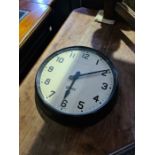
[(36, 14), (111, 133)]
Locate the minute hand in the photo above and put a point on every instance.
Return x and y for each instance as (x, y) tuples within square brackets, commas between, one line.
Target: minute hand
[(90, 73)]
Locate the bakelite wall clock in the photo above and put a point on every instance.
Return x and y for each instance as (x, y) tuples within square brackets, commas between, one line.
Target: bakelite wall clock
[(75, 86)]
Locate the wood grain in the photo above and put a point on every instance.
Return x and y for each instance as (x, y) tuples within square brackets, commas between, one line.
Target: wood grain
[(111, 133), (37, 13)]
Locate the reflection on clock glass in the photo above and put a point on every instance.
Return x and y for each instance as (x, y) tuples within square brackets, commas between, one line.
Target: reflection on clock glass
[(76, 82)]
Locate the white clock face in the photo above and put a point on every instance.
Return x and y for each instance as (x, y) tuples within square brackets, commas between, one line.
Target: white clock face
[(76, 82)]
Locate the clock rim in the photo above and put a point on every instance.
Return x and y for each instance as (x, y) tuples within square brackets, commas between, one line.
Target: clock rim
[(49, 109)]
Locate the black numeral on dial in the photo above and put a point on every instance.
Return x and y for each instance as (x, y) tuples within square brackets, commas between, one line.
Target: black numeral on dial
[(50, 69), (85, 55), (47, 81), (105, 72), (51, 93), (72, 54), (104, 86), (60, 59), (81, 105), (96, 98), (97, 62), (64, 103)]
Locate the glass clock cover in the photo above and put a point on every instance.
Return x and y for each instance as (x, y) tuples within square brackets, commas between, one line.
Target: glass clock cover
[(76, 83)]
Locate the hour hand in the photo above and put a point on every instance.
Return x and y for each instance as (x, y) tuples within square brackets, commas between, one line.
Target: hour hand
[(74, 78)]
